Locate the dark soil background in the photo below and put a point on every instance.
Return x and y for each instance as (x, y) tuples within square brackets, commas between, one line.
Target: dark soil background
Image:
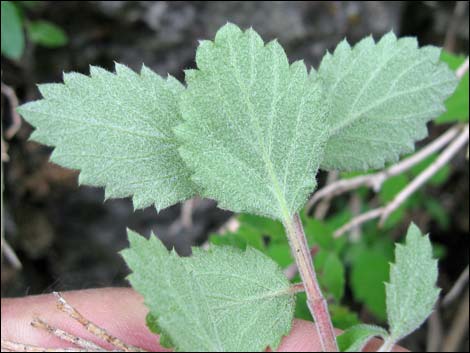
[(66, 236)]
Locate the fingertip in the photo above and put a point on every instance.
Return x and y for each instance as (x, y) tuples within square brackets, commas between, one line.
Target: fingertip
[(302, 338), (118, 310)]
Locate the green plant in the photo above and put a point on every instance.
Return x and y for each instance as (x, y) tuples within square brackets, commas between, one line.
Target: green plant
[(43, 33), (251, 131)]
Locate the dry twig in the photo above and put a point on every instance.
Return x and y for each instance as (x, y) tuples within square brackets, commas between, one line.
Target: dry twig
[(459, 327), (455, 20), (9, 346), (322, 209), (10, 94), (460, 142), (435, 332), (66, 336), (457, 288), (94, 329), (82, 344), (384, 212), (463, 69), (376, 180), (11, 131), (10, 254), (356, 221)]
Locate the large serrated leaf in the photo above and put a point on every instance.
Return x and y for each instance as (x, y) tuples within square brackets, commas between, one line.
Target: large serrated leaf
[(411, 292), (221, 300), (117, 129), (254, 126), (381, 97)]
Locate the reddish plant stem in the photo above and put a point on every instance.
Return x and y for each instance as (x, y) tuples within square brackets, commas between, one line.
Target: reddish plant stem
[(292, 271), (315, 300), (297, 288)]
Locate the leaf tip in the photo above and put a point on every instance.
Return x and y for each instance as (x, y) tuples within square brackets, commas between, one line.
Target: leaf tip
[(226, 32), (414, 234)]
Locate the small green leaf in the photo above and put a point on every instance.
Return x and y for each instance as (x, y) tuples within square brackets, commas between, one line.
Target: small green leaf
[(355, 338), (457, 104), (254, 126), (392, 186), (281, 253), (439, 251), (152, 323), (230, 239), (370, 269), (224, 299), (267, 227), (12, 31), (46, 34), (252, 237), (381, 97), (342, 317), (117, 129), (330, 273), (411, 292), (318, 232), (389, 190), (29, 4), (438, 211), (397, 216), (301, 309)]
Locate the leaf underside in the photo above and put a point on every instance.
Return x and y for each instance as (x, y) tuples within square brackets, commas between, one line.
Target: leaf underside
[(355, 338), (411, 292), (254, 126), (381, 97), (224, 299), (116, 129)]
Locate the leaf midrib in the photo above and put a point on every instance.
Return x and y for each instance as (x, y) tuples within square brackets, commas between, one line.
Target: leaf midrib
[(353, 119), (284, 211)]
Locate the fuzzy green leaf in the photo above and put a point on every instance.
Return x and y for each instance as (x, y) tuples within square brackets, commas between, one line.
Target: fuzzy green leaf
[(355, 338), (117, 129), (224, 299), (254, 126), (411, 293), (381, 97)]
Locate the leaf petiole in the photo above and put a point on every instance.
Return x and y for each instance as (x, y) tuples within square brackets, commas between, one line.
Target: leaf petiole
[(387, 345), (315, 300)]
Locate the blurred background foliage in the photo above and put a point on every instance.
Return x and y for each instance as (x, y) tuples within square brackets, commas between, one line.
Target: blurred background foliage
[(15, 23), (60, 236)]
